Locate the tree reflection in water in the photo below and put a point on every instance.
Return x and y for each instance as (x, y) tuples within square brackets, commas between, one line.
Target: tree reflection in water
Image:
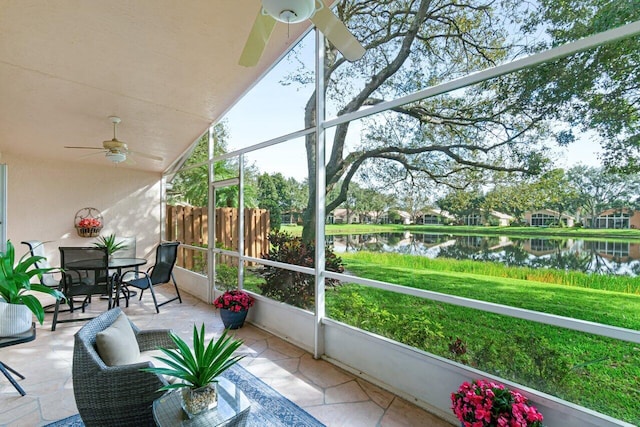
[(603, 257)]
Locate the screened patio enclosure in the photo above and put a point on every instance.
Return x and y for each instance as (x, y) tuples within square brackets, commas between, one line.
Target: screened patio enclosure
[(418, 375)]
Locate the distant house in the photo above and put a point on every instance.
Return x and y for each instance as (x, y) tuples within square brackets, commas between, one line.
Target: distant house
[(339, 216), (487, 218), (405, 217), (617, 218), (432, 216), (343, 216), (546, 217), (291, 218)]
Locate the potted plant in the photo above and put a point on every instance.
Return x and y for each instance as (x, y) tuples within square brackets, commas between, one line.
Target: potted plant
[(15, 283), (197, 369), (234, 305), (487, 404), (109, 243)]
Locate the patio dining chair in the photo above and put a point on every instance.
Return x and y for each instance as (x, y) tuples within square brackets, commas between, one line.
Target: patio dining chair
[(36, 248), (160, 273), (85, 273)]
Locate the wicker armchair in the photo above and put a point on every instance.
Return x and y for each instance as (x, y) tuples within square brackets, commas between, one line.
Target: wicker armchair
[(115, 395)]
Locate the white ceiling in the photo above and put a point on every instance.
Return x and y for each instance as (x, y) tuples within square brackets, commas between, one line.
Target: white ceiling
[(168, 68)]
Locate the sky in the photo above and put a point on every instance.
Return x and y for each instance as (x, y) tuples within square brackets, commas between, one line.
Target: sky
[(258, 117)]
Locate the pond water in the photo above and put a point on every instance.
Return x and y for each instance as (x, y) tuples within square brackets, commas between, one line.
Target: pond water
[(589, 256)]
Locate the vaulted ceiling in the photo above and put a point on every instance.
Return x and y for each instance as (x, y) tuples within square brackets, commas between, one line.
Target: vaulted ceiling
[(167, 68)]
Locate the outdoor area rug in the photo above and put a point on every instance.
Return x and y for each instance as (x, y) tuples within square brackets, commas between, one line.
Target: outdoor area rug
[(268, 407)]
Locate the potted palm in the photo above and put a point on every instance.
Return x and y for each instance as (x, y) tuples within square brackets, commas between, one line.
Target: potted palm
[(197, 370), (109, 243), (15, 286)]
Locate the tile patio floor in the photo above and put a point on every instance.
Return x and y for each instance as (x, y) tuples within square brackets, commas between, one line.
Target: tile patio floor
[(333, 396)]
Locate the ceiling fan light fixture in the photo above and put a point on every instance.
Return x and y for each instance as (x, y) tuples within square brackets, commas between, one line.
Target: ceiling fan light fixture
[(116, 157), (289, 11)]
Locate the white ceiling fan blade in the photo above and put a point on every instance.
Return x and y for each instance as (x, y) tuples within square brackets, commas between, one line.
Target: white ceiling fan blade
[(257, 40), (148, 156), (86, 148), (129, 160), (86, 156), (338, 34)]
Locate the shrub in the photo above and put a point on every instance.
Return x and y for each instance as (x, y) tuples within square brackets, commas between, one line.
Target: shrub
[(226, 277), (293, 287)]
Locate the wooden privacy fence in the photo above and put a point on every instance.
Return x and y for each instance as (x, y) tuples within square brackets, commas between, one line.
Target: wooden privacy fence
[(190, 225)]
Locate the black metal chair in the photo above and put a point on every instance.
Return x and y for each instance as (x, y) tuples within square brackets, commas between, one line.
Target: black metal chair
[(52, 280), (160, 273), (85, 273)]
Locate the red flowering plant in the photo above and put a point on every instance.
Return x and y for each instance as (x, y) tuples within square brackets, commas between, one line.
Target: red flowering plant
[(487, 404), (89, 223), (235, 300)]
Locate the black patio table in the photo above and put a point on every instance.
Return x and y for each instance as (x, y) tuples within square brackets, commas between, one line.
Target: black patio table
[(117, 264)]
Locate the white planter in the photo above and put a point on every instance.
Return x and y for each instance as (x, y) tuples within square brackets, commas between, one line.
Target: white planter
[(14, 319)]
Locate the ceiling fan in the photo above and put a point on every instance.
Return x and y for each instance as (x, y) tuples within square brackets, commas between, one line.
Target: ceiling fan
[(115, 150), (294, 11)]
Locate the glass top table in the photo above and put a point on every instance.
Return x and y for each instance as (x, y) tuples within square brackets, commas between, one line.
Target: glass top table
[(232, 410)]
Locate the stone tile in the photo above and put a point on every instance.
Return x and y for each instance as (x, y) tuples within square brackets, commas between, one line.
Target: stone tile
[(347, 414), (269, 369), (333, 396), (344, 393), (28, 420), (298, 390), (380, 396), (403, 414), (15, 408), (322, 373), (271, 354), (58, 405), (283, 347)]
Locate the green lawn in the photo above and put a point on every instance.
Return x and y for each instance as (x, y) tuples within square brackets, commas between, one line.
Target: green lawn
[(596, 372)]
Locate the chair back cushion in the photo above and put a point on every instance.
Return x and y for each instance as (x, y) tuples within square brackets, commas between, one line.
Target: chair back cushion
[(117, 344), (129, 249), (36, 247)]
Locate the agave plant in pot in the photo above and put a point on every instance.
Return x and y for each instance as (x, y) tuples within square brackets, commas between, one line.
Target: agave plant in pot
[(17, 301), (196, 370), (110, 244)]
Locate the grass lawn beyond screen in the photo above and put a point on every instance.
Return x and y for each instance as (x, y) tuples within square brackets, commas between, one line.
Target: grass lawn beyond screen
[(596, 372)]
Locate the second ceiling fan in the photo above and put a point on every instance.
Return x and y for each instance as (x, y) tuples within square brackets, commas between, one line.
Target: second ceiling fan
[(117, 151), (294, 11)]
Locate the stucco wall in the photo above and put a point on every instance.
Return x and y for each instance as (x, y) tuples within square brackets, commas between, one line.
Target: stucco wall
[(43, 198)]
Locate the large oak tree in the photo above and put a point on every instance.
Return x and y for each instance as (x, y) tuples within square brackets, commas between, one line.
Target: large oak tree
[(499, 125)]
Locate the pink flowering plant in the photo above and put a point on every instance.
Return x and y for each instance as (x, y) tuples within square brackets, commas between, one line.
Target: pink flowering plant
[(234, 300), (487, 404)]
